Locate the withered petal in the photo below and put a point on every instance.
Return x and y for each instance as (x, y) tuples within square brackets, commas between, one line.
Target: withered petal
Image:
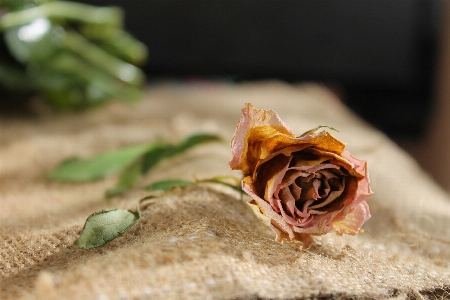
[(260, 134), (272, 174), (254, 127), (331, 197), (266, 210), (305, 239), (272, 158), (352, 223)]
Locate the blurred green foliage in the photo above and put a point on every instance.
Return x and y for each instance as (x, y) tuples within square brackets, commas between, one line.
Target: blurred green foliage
[(74, 55)]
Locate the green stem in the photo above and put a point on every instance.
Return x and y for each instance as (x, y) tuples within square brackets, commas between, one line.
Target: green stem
[(108, 16), (222, 180)]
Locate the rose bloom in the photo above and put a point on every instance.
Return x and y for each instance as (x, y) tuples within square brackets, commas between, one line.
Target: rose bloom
[(300, 186)]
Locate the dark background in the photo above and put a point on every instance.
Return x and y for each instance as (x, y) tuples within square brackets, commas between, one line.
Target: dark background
[(378, 54)]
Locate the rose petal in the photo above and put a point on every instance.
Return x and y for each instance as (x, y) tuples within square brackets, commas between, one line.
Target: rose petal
[(288, 143), (303, 238), (255, 126), (326, 187), (318, 225), (257, 211), (295, 190), (280, 235), (290, 220), (273, 175), (334, 158), (261, 135), (360, 166), (364, 189), (331, 197), (289, 202), (352, 223), (283, 144), (266, 209)]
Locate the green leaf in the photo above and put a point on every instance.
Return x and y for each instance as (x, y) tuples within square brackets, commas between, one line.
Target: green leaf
[(317, 128), (104, 226), (166, 185), (132, 161), (191, 141), (154, 156), (128, 178), (131, 174), (99, 166)]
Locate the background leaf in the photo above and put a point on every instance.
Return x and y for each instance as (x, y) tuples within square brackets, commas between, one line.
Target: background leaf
[(104, 226), (166, 185), (99, 166)]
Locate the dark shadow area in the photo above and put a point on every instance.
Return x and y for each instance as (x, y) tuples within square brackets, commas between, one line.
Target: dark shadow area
[(380, 53)]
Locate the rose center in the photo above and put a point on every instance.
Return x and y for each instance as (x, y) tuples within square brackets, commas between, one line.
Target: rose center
[(307, 190)]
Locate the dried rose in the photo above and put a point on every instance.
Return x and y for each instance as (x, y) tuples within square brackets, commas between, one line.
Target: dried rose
[(300, 186)]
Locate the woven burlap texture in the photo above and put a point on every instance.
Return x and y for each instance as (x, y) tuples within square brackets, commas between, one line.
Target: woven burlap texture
[(204, 242)]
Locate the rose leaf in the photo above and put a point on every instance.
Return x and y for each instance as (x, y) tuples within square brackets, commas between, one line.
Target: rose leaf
[(104, 226), (191, 141), (132, 161), (152, 157), (128, 178), (131, 174), (99, 166)]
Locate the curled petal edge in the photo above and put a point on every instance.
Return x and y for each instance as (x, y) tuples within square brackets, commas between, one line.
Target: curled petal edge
[(254, 118), (264, 212), (353, 222)]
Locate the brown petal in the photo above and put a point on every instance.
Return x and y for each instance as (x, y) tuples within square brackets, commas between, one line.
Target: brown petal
[(287, 145), (272, 174), (331, 197)]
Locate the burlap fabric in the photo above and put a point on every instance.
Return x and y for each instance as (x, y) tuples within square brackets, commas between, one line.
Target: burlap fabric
[(203, 242)]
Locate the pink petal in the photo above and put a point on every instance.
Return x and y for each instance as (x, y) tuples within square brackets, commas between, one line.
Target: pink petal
[(364, 189), (286, 197), (360, 166), (273, 185), (290, 220), (331, 197), (268, 211), (353, 222)]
